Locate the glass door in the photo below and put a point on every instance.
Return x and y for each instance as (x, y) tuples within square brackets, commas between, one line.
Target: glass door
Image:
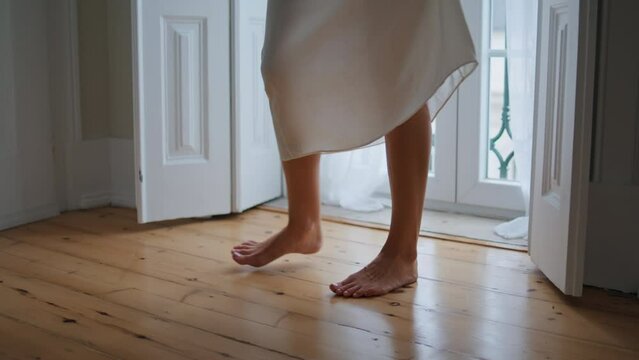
[(486, 169)]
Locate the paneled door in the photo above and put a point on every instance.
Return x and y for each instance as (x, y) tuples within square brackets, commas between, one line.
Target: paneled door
[(561, 160), (182, 97)]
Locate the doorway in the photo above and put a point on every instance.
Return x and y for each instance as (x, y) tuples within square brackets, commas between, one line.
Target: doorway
[(479, 175)]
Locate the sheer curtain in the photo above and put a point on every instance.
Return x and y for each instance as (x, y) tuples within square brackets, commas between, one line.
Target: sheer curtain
[(521, 44), (349, 179)]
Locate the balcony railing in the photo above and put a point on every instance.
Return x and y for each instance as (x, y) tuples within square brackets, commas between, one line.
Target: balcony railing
[(504, 161)]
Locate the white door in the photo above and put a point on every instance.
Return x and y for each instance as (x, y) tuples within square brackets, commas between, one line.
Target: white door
[(256, 161), (561, 148), (182, 77)]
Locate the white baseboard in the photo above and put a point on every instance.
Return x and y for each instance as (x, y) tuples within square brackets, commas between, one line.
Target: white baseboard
[(87, 173), (120, 200), (28, 215), (88, 201)]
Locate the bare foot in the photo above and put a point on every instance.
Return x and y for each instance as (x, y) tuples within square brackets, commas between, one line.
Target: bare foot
[(384, 274), (289, 240)]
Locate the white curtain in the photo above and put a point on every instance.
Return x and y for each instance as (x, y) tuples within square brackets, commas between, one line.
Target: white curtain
[(349, 179), (521, 44)]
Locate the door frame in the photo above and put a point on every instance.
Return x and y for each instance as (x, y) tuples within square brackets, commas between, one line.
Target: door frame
[(136, 80)]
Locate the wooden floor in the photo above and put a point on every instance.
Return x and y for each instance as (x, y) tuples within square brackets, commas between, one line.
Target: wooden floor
[(96, 285)]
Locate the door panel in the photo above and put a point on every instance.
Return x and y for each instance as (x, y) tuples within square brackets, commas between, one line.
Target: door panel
[(183, 108), (255, 152)]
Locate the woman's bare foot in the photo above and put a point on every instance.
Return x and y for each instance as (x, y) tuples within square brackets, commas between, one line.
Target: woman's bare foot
[(303, 240), (387, 272)]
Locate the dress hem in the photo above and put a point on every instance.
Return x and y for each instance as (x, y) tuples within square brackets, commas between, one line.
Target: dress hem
[(462, 71)]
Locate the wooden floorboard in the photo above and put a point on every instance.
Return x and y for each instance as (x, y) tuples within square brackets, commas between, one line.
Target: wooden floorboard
[(95, 284)]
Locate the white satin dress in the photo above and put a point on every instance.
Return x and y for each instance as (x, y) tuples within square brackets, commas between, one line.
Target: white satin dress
[(340, 74)]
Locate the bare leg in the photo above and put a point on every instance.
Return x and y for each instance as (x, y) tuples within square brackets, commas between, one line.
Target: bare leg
[(407, 152), (302, 234)]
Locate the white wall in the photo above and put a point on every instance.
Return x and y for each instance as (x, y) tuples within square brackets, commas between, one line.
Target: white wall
[(47, 162), (104, 53), (27, 190), (90, 45), (612, 248)]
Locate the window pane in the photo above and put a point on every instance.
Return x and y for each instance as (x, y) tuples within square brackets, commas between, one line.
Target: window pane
[(499, 164), (498, 24)]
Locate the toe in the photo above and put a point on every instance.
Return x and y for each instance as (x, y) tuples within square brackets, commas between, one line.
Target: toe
[(244, 251), (349, 285), (242, 246), (351, 290), (334, 287), (238, 249), (238, 258), (340, 289), (359, 293)]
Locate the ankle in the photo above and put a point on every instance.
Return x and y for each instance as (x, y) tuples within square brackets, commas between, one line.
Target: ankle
[(400, 251), (403, 255), (304, 226)]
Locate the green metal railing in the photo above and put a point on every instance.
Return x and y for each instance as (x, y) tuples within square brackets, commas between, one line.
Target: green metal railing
[(504, 162)]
